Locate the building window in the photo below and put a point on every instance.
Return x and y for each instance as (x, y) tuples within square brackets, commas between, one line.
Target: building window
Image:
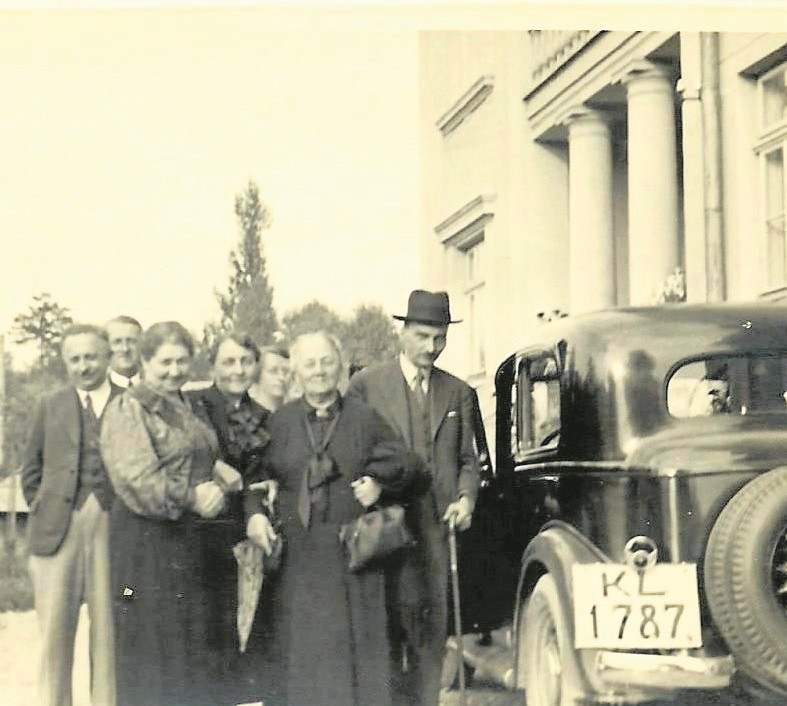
[(474, 290), (773, 162), (462, 235), (770, 147), (774, 97)]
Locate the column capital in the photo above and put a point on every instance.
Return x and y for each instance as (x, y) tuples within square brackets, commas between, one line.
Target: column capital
[(645, 70), (688, 91), (586, 115)]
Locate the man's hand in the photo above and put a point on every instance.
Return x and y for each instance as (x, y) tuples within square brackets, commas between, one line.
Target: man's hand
[(260, 531), (208, 500), (462, 512), (271, 487), (367, 490)]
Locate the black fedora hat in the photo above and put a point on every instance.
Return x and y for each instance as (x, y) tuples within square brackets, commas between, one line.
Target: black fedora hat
[(428, 308)]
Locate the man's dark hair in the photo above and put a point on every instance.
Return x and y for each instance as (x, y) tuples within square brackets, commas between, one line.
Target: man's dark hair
[(80, 329)]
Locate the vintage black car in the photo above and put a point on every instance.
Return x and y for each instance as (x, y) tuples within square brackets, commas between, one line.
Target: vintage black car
[(633, 533)]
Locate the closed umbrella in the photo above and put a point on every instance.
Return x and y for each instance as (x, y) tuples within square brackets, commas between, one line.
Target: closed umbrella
[(253, 565)]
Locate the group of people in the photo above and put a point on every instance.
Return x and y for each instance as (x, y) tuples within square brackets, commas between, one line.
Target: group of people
[(139, 490)]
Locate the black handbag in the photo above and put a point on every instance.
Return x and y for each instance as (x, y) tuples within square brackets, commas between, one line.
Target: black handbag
[(375, 536)]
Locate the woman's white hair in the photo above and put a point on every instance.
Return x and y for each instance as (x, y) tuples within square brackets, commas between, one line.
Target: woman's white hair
[(333, 341), (297, 345)]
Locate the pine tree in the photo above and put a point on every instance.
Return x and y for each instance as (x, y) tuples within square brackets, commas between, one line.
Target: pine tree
[(247, 304), (43, 324)]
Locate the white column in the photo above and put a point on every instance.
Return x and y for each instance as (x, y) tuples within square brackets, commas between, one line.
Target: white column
[(652, 179), (591, 237), (540, 248)]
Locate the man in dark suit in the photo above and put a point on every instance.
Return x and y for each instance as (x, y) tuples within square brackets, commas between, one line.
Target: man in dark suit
[(433, 412), (66, 486)]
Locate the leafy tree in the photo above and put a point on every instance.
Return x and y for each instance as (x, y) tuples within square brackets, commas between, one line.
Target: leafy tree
[(248, 302), (369, 336), (314, 316), (22, 392), (43, 324)]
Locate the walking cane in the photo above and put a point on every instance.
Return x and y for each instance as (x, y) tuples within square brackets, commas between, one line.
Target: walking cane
[(457, 614)]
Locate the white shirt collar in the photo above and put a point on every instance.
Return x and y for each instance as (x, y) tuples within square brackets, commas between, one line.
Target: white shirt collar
[(410, 371), (99, 397), (122, 380)]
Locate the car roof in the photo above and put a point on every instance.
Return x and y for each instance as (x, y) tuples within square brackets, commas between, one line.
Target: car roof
[(676, 329)]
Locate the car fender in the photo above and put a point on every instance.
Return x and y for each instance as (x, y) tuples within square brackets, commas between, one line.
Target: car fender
[(554, 550)]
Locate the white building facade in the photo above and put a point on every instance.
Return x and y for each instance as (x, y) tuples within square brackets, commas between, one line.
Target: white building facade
[(578, 170)]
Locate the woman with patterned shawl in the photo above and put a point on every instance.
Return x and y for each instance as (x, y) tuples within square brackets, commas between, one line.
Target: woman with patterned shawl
[(161, 459)]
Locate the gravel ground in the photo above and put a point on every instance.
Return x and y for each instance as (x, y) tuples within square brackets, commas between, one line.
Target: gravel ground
[(19, 654), (19, 657)]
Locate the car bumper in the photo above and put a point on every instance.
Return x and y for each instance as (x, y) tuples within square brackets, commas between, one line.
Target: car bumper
[(649, 671)]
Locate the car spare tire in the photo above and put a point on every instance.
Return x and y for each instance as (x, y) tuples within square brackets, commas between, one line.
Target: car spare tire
[(746, 579)]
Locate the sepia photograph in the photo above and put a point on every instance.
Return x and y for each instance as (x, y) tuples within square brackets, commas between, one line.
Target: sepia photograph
[(393, 354)]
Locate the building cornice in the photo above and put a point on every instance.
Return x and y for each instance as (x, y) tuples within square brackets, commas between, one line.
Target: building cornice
[(465, 226), (564, 47), (598, 65), (466, 105)]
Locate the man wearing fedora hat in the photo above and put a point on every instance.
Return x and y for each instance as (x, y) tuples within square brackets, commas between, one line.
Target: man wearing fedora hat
[(432, 411)]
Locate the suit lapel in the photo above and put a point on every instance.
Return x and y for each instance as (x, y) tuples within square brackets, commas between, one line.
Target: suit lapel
[(439, 399), (395, 396), (72, 417)]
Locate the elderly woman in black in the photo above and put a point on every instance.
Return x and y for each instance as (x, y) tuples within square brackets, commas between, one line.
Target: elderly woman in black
[(161, 459), (239, 424), (331, 632)]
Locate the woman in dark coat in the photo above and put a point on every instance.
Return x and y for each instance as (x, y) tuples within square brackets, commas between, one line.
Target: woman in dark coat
[(331, 630), (239, 424), (161, 458)]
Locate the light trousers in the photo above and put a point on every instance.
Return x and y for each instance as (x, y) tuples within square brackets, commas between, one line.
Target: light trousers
[(78, 572)]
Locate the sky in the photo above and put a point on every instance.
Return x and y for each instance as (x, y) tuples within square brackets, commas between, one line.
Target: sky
[(125, 136)]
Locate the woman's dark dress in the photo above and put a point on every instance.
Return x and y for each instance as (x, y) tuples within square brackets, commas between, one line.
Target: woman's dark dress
[(239, 426), (330, 626), (154, 449)]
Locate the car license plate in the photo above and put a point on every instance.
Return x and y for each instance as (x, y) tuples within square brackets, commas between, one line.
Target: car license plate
[(618, 607)]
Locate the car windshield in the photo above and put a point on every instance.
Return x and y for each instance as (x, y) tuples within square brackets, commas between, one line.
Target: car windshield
[(738, 384)]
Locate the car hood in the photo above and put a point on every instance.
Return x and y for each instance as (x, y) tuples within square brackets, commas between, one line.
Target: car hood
[(714, 444)]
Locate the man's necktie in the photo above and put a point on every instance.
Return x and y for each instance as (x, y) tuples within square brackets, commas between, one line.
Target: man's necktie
[(420, 395), (91, 413), (130, 383)]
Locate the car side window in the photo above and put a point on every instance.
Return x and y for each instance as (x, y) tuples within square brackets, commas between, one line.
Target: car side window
[(536, 405), (740, 384)]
